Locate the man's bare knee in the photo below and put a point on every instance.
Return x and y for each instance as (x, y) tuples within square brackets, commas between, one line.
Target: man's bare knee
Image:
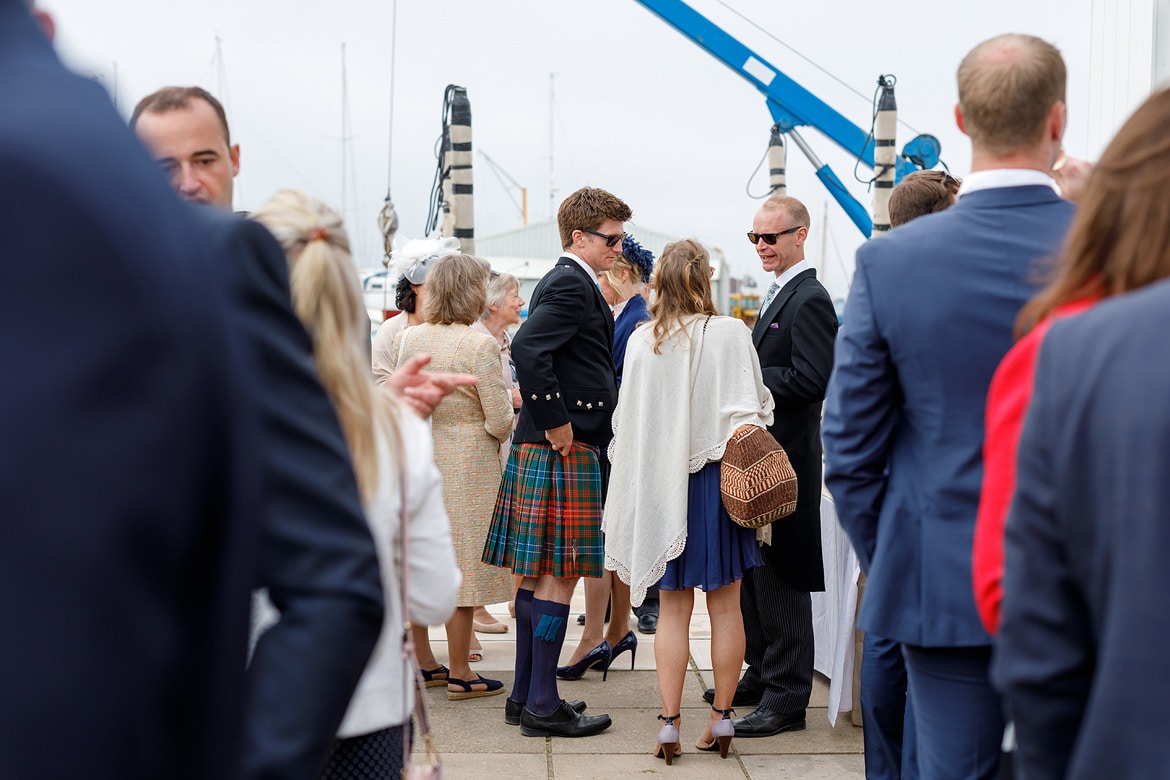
[(558, 589)]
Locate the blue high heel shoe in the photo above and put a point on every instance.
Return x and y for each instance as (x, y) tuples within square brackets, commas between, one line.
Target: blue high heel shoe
[(629, 642), (597, 657)]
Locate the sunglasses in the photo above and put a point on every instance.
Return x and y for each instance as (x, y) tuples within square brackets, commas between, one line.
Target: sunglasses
[(770, 238), (609, 240)]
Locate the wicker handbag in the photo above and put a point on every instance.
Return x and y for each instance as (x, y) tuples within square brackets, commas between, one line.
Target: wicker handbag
[(756, 480)]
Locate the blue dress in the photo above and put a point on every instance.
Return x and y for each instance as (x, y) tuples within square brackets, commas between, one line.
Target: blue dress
[(718, 550), (632, 315)]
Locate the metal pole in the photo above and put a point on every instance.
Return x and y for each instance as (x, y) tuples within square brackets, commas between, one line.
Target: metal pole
[(885, 129), (462, 189), (777, 160)]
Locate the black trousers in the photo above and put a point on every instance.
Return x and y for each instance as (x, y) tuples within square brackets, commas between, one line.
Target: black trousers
[(777, 621)]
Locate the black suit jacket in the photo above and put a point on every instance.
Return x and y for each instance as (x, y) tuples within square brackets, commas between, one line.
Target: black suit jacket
[(317, 558), (794, 340), (564, 358), (129, 500)]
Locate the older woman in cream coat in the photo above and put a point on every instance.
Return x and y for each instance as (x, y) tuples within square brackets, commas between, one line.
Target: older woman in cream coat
[(467, 428)]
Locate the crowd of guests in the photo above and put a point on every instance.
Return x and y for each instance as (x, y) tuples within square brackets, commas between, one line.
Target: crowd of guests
[(992, 440)]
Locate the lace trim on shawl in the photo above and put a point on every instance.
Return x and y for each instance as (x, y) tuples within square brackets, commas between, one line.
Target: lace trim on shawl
[(709, 455), (654, 574)]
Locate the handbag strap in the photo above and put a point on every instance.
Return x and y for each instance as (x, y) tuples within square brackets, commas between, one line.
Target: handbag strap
[(698, 354), (409, 662)]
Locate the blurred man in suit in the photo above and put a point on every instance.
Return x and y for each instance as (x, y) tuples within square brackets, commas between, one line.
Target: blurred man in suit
[(1081, 650), (793, 336), (318, 562), (130, 421), (929, 317)]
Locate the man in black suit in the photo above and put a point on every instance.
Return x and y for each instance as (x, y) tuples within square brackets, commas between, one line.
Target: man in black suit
[(318, 562), (794, 337), (130, 425), (564, 361)]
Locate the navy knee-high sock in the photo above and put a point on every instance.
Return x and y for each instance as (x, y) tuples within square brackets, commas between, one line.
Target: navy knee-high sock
[(523, 646), (549, 621)]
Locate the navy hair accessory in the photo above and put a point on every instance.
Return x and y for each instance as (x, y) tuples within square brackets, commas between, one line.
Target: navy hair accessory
[(638, 256)]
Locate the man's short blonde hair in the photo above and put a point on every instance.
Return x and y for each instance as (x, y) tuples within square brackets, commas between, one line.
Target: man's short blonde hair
[(791, 207), (1007, 87)]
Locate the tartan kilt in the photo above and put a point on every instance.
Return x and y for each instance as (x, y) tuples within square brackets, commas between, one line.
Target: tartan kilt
[(547, 518)]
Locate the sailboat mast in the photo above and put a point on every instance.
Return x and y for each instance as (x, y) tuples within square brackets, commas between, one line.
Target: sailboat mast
[(552, 187), (344, 130)]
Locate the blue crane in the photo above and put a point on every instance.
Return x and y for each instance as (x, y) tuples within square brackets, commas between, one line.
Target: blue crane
[(792, 106)]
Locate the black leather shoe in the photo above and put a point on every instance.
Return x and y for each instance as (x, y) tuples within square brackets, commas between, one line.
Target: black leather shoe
[(744, 696), (647, 617), (513, 709), (766, 723), (562, 722)]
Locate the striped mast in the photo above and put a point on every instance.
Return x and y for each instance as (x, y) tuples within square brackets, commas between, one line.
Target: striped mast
[(461, 197), (777, 161), (885, 129)]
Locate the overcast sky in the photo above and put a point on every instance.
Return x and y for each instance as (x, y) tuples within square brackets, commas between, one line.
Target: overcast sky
[(638, 109)]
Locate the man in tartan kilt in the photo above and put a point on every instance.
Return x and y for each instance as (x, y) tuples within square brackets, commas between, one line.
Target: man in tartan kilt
[(547, 521)]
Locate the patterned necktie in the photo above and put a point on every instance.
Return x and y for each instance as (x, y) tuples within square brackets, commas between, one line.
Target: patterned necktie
[(775, 288)]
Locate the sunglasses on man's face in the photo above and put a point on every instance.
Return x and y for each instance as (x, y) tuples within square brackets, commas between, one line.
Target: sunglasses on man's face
[(609, 240), (770, 238)]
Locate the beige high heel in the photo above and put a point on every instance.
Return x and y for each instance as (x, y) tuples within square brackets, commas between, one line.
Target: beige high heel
[(668, 746), (721, 733)]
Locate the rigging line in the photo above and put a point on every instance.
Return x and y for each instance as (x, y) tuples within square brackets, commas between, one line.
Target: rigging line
[(390, 133), (822, 69), (500, 176), (747, 188)]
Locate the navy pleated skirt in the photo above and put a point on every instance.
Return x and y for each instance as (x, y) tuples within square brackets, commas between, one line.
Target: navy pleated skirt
[(717, 551)]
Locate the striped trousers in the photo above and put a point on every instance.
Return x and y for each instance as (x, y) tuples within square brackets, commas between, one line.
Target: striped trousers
[(777, 621)]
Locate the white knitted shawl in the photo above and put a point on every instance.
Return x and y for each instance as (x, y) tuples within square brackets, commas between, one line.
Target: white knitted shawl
[(664, 431)]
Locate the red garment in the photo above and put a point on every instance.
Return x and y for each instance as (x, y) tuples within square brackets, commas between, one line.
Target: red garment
[(1007, 403)]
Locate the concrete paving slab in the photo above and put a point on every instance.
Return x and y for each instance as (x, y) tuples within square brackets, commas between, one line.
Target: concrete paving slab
[(804, 767), (692, 765), (818, 738), (473, 766), (476, 743)]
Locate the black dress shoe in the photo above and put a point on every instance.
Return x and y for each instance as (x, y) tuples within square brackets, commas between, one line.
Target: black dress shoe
[(647, 617), (513, 709), (744, 696), (562, 722), (766, 723)]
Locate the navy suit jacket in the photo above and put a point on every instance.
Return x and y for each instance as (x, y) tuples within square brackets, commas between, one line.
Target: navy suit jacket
[(317, 558), (1081, 652), (929, 316), (564, 358), (794, 341), (129, 504)]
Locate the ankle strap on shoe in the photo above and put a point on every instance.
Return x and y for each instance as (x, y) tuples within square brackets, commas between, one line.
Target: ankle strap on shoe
[(669, 719), (725, 713)]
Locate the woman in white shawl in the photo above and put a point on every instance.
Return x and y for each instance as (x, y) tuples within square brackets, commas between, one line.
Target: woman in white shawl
[(691, 380)]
